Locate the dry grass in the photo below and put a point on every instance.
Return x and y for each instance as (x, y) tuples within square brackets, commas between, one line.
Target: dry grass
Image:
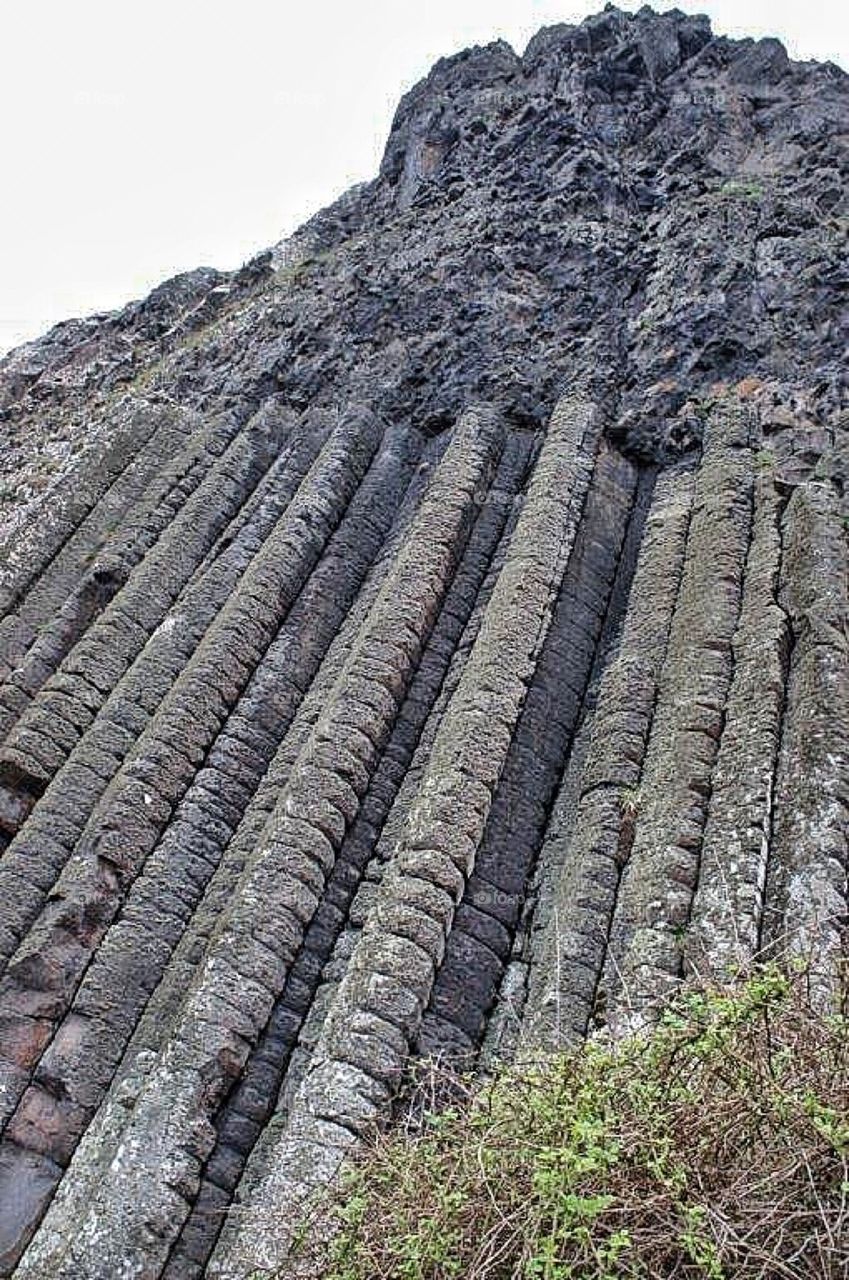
[(715, 1146)]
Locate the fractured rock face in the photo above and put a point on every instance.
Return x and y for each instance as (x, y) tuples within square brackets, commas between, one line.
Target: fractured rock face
[(430, 640)]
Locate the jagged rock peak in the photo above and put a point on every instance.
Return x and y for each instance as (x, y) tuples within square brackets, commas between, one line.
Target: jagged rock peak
[(634, 200)]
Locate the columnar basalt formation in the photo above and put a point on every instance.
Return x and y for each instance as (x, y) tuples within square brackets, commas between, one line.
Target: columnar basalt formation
[(429, 641)]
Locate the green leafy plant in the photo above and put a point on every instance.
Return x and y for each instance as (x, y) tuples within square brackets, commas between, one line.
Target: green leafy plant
[(630, 802), (713, 1146)]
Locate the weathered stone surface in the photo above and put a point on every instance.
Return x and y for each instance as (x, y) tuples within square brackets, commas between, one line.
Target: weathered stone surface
[(246, 1113), (725, 924), (590, 836), (249, 955), (806, 906), (75, 1072), (96, 562), (430, 639), (480, 940), (660, 873), (367, 1036)]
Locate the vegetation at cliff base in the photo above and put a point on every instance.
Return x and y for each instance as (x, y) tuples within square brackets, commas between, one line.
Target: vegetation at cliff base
[(715, 1145)]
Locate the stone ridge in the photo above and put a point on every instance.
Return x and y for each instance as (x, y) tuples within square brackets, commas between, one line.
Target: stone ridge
[(430, 641)]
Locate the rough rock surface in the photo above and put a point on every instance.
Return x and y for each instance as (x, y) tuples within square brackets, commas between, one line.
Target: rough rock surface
[(428, 640)]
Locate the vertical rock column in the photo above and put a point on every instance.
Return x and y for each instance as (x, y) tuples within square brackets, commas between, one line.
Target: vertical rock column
[(725, 924), (73, 516), (68, 703), (368, 1034), (252, 1101), (480, 941), (287, 715), (659, 879), (381, 823), (587, 844), (806, 904), (96, 563), (44, 971), (76, 1070), (145, 1194), (118, 714)]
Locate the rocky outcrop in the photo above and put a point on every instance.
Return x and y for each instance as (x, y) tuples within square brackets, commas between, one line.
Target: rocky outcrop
[(430, 641)]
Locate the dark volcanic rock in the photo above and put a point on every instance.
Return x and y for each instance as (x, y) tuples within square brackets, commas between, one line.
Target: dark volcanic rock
[(634, 197), (428, 639)]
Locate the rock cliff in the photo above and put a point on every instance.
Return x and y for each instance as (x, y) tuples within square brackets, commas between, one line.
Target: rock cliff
[(428, 640)]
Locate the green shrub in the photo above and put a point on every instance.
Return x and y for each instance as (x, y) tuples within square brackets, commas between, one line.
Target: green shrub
[(714, 1146), (747, 189)]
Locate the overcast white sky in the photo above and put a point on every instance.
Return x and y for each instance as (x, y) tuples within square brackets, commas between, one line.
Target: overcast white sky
[(145, 137)]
